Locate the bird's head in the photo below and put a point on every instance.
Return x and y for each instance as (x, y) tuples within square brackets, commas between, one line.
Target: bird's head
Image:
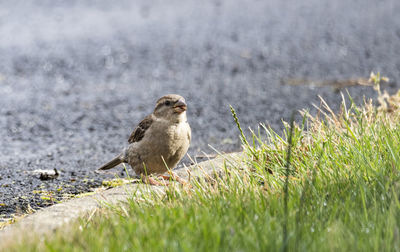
[(171, 107)]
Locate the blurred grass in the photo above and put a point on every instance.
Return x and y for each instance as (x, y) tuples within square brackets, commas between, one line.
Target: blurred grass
[(342, 194)]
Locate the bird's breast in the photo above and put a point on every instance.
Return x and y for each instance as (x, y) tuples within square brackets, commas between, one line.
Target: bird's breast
[(170, 138), (166, 144)]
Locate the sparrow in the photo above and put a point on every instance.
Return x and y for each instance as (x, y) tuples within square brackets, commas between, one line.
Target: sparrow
[(159, 142)]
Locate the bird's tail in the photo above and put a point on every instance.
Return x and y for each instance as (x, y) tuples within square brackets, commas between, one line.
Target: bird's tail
[(116, 161)]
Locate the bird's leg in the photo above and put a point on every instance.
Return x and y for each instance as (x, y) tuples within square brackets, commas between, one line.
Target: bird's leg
[(151, 181), (175, 177)]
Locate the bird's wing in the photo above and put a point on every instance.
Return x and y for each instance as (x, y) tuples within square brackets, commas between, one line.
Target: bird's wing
[(138, 132)]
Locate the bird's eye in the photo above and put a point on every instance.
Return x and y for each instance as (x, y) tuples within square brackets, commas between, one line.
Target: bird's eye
[(167, 103)]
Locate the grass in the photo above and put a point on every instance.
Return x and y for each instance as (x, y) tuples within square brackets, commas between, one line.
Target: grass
[(338, 191)]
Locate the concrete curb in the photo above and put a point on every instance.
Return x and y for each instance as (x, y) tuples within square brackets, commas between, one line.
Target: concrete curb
[(49, 219)]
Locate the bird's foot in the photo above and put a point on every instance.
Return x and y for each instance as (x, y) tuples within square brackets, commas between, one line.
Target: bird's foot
[(151, 181), (163, 180), (175, 177)]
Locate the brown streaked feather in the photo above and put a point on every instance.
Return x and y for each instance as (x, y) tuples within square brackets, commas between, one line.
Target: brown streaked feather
[(138, 132)]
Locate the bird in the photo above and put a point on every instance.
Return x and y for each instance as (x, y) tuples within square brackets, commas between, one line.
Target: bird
[(158, 142)]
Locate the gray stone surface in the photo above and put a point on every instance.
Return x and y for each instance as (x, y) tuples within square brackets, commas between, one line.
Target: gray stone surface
[(49, 219)]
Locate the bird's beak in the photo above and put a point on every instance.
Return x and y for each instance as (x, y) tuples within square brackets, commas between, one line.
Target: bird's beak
[(180, 106)]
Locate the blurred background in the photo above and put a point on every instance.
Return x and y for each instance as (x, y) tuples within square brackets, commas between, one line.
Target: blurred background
[(77, 76)]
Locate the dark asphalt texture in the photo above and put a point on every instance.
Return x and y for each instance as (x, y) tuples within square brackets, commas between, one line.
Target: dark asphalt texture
[(77, 76)]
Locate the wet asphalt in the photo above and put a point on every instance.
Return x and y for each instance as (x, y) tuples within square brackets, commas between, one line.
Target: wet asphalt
[(77, 76)]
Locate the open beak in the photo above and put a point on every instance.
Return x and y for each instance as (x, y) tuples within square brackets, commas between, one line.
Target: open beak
[(180, 106)]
